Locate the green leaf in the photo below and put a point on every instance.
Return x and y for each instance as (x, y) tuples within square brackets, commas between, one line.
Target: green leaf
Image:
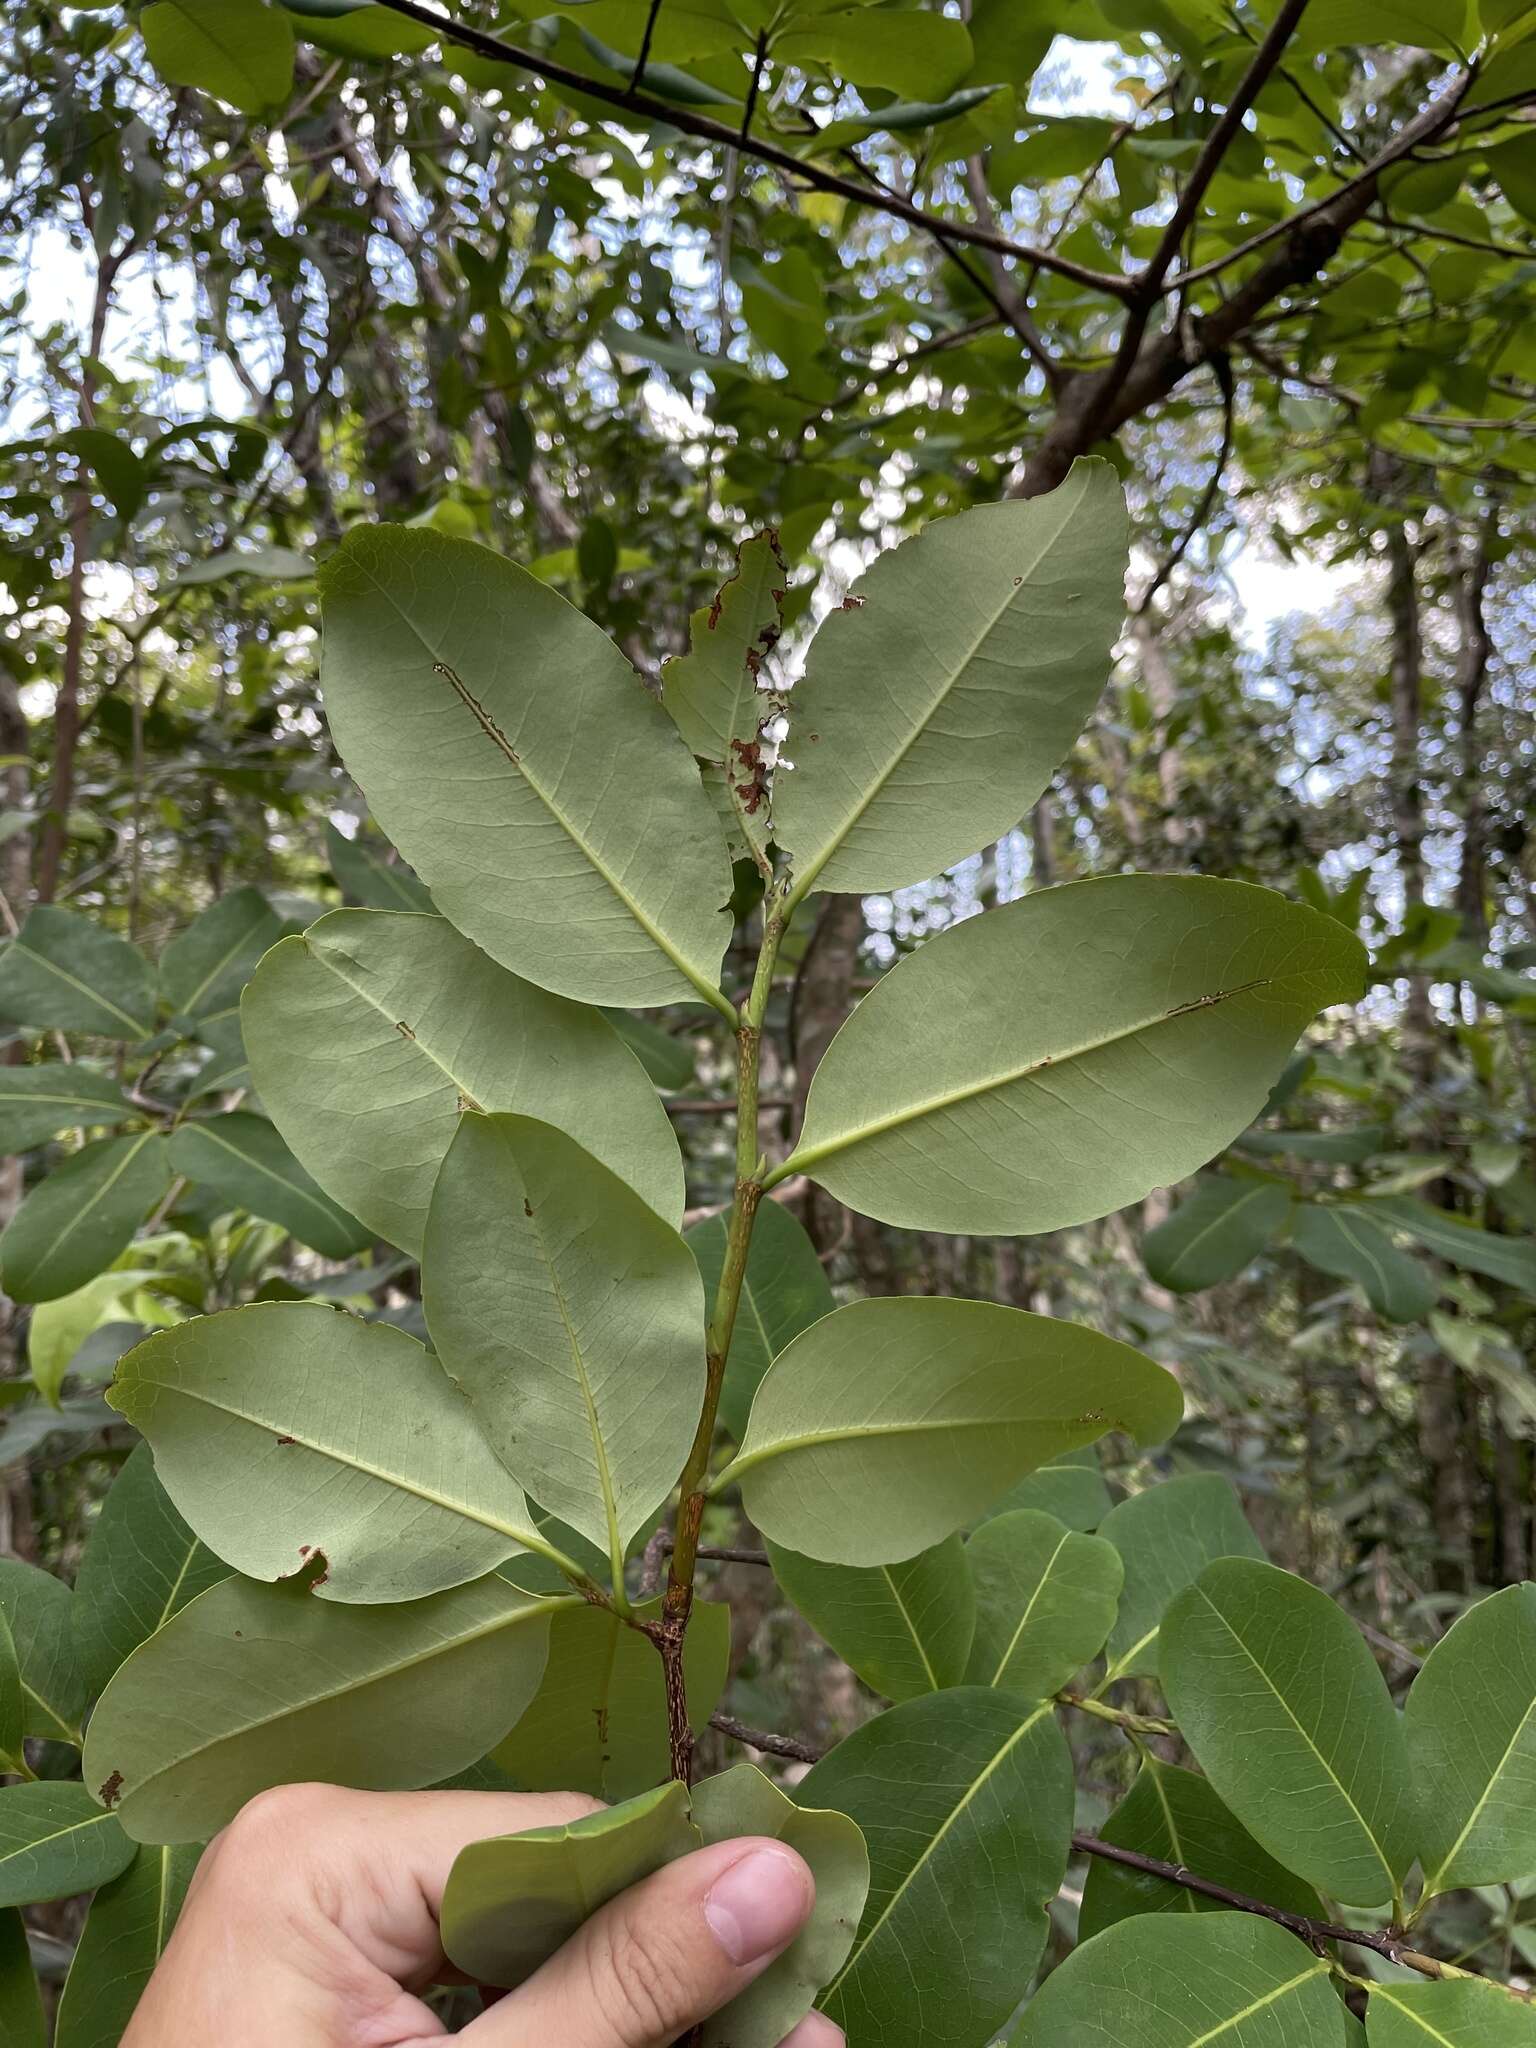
[(228, 1068), (142, 1565), (244, 1161), (904, 1628), (39, 1613), (274, 565), (965, 1800), (785, 1290), (124, 1936), (1166, 1537), (204, 969), (743, 1802), (63, 973), (252, 1686), (76, 1222), (13, 1703), (366, 872), (1345, 1242), (1511, 1259), (290, 1433), (908, 53), (598, 1722), (669, 1061), (55, 1841), (712, 691), (1276, 1693), (37, 1103), (1176, 1817), (21, 2003), (572, 1317), (1045, 1602), (893, 1421), (1468, 2012), (1471, 1726), (1219, 1230), (356, 29), (1405, 24), (59, 1328), (511, 1902), (239, 50), (935, 708), (370, 1033), (483, 718), (1154, 1983), (1070, 1487), (1062, 1056)]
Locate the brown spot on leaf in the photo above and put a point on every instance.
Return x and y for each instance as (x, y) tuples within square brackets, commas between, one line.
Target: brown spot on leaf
[(527, 1206), (287, 1439), (852, 604), (405, 1030), (112, 1791)]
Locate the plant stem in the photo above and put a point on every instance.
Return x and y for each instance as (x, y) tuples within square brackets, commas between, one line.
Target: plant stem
[(670, 1632), (1135, 1724)]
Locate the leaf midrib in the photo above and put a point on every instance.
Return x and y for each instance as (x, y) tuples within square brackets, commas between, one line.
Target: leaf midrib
[(1432, 1885), (876, 788), (1270, 1998), (321, 1207), (805, 1156), (653, 931), (76, 1827), (951, 1820), (62, 1237), (746, 1460), (1029, 1608), (135, 1024), (1228, 1215), (1284, 1704)]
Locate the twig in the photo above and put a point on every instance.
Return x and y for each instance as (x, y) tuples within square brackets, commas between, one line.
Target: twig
[(1122, 1717), (1221, 366), (715, 1553), (637, 76), (761, 1739), (706, 129)]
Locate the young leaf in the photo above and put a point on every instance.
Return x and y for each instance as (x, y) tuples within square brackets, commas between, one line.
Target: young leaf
[(904, 1628), (1471, 1726), (1159, 1983), (573, 1319), (142, 1565), (1274, 1690), (965, 1800), (1166, 1537), (63, 973), (1071, 1488), (239, 50), (894, 1421), (1045, 1602), (21, 2003), (483, 718), (511, 1902), (204, 969), (292, 1436), (936, 705), (55, 1841), (365, 872), (1343, 1241), (598, 1722), (124, 1936), (60, 1329), (785, 1290), (372, 1032), (76, 1222), (245, 1162), (712, 691), (743, 1802), (1467, 2012), (39, 1613), (1212, 1236), (37, 1103), (1175, 1816), (252, 1686), (967, 1092)]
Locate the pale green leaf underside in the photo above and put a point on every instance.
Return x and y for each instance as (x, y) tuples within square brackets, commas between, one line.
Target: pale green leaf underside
[(1287, 1713), (252, 1686), (1057, 1058), (933, 712), (288, 1432), (370, 1034), (508, 750), (895, 1421), (1470, 2013), (573, 1318), (512, 1901)]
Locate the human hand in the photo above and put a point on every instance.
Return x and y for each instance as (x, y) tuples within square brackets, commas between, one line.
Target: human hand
[(312, 1923)]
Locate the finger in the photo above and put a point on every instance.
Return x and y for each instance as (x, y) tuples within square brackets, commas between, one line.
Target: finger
[(814, 2031), (663, 1955), (375, 1863)]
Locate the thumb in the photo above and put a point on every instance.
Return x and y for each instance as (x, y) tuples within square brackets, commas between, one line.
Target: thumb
[(665, 1955)]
